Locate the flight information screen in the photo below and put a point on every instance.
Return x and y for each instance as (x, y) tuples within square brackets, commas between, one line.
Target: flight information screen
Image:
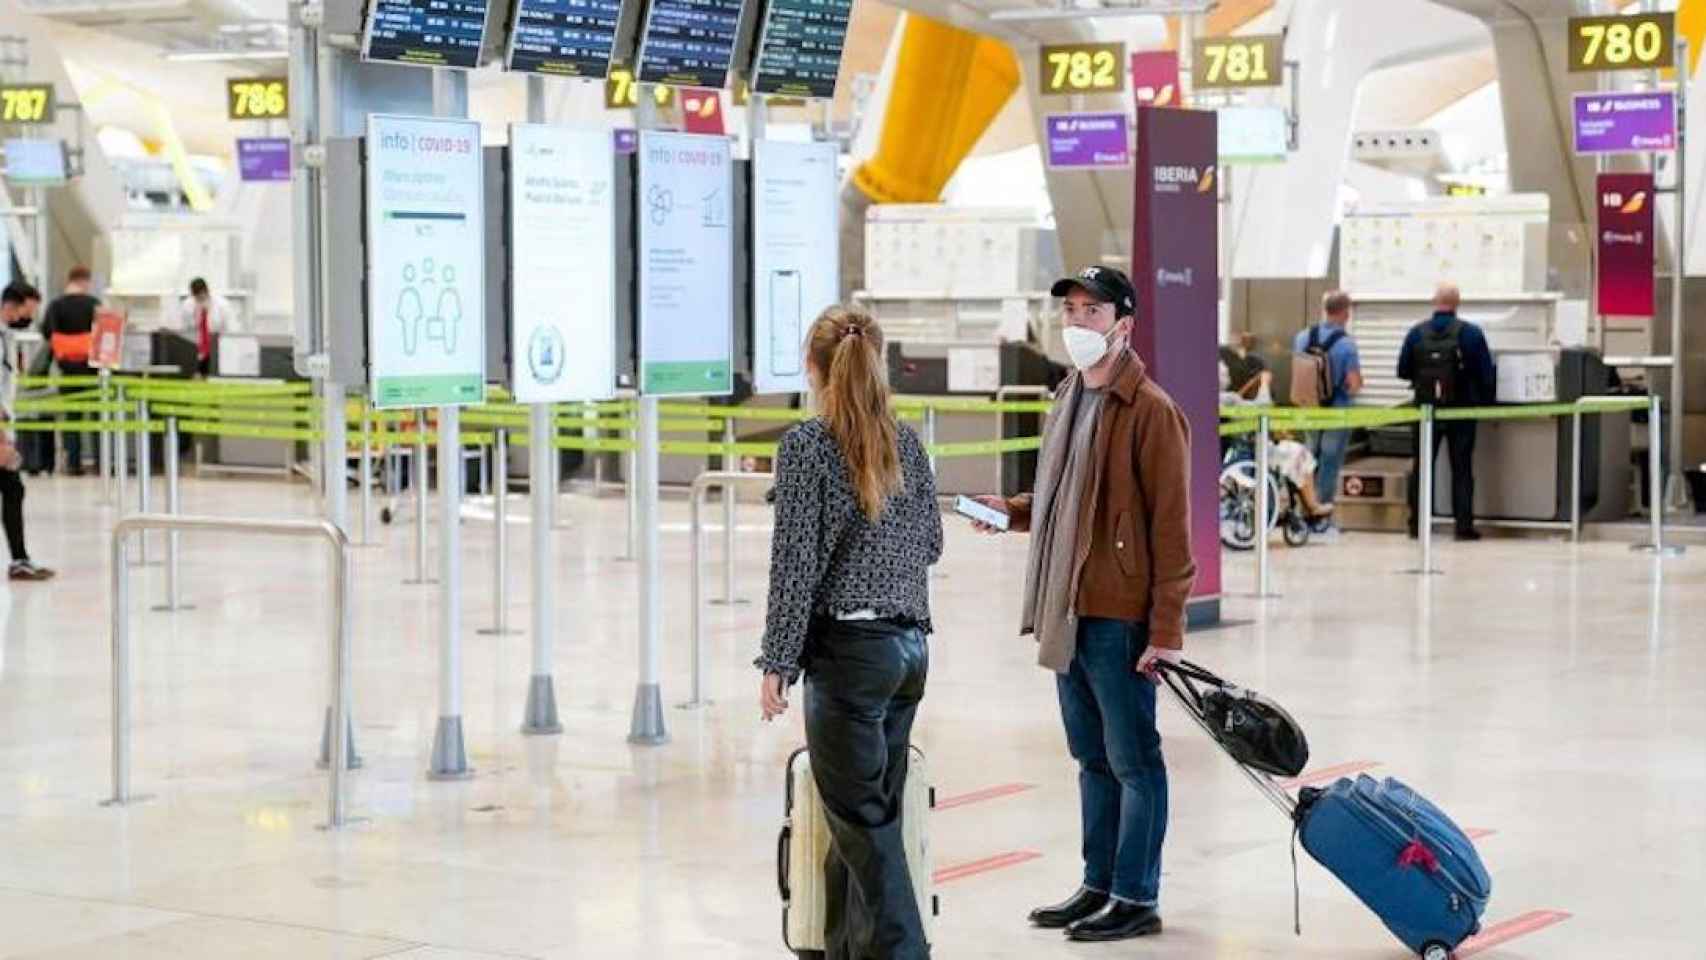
[(799, 49), (564, 38), (689, 43), (431, 33)]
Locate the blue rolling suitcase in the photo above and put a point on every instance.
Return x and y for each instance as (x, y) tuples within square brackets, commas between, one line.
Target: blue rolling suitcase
[(1403, 858)]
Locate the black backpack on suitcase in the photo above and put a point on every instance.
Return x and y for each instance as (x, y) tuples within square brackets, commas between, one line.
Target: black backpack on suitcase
[(1439, 365)]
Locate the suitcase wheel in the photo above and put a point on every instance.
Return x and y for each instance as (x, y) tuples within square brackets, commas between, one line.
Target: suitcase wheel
[(1436, 951)]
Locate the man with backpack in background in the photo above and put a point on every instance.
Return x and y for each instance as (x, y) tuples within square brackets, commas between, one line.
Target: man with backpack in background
[(68, 329), (1326, 371), (1447, 361)]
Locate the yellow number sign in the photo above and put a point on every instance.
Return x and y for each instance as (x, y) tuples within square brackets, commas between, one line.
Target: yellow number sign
[(26, 103), (257, 98), (1083, 68), (1230, 62), (621, 92), (1645, 41)]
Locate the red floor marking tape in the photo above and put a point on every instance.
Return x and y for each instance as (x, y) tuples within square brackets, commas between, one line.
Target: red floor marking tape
[(1509, 930), (1326, 774), (1000, 861), (1478, 833), (987, 793)]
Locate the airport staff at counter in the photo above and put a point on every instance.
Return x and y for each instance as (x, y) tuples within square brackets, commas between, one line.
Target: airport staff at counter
[(202, 316), (1109, 574)]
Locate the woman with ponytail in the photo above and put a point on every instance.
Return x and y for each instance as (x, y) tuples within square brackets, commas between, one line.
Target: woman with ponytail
[(857, 529)]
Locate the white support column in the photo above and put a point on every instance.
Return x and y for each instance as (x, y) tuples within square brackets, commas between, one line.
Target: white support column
[(449, 755), (647, 725)]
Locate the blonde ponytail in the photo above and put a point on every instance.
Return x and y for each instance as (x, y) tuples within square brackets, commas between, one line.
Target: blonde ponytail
[(846, 350)]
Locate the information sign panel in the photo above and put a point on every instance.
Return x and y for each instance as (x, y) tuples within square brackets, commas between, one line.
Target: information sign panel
[(686, 297), (263, 159), (562, 308), (1088, 140), (796, 270), (35, 163), (563, 38), (425, 262), (1251, 135), (689, 43), (1625, 122), (431, 33), (800, 47)]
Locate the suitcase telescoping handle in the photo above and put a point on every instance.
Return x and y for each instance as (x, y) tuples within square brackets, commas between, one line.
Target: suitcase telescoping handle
[(1178, 678)]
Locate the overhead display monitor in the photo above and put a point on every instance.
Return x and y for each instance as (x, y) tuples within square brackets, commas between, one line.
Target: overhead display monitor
[(563, 38), (431, 33), (562, 308), (795, 258), (35, 163), (1251, 135), (800, 47), (685, 217), (689, 43), (426, 323)]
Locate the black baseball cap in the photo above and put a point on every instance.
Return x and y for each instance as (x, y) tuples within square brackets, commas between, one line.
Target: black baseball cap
[(1105, 284)]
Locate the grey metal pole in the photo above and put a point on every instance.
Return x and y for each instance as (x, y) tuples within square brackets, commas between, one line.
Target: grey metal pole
[(109, 473), (731, 509), (418, 475), (630, 487), (1263, 464), (144, 471), (120, 617), (646, 727), (1676, 492), (500, 518), (366, 475), (1576, 474), (1655, 485), (121, 440), (696, 590), (930, 435), (172, 507), (1425, 494), (449, 752), (540, 716)]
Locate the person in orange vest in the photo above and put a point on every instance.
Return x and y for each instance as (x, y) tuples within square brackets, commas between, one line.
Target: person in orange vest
[(68, 329)]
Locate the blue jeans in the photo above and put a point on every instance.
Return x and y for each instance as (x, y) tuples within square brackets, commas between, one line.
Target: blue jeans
[(1329, 447), (1109, 712)]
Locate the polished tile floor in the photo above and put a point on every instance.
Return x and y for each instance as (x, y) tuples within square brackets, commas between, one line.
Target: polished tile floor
[(1552, 698)]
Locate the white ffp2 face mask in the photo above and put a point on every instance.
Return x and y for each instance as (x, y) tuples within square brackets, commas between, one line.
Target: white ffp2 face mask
[(1085, 347)]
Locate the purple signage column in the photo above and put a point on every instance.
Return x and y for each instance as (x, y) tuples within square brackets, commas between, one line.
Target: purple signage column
[(1176, 269)]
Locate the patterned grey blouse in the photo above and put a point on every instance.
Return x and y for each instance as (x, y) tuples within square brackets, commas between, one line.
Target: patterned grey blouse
[(827, 558)]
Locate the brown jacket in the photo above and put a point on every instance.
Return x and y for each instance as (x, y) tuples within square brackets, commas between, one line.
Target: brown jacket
[(1134, 553)]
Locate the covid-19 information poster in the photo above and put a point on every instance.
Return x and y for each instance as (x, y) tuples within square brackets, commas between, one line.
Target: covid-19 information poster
[(426, 323), (562, 264), (685, 216), (795, 263)]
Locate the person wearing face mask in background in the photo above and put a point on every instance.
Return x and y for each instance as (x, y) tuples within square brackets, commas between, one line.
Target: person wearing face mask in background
[(1109, 575), (18, 303)]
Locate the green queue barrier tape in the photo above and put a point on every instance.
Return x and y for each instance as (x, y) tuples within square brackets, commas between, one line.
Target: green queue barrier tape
[(74, 406), (301, 419), (88, 426), (595, 446), (247, 431), (27, 381), (1539, 410), (1238, 429), (983, 448)]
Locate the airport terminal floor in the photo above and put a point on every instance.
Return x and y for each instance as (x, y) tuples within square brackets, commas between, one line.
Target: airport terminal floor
[(1548, 695)]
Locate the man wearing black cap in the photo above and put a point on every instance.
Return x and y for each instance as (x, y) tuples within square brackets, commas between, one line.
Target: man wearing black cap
[(1110, 572)]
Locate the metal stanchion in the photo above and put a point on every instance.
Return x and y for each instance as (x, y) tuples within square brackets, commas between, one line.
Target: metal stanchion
[(1655, 483), (728, 481), (449, 753), (540, 717), (500, 518), (646, 726), (366, 475), (930, 435), (418, 475), (1576, 474), (631, 460), (121, 456), (1263, 506), (731, 510), (172, 508), (1425, 492), (144, 477), (109, 472)]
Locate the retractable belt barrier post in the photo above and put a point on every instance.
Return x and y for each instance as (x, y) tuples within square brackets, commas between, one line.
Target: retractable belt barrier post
[(726, 481), (500, 542)]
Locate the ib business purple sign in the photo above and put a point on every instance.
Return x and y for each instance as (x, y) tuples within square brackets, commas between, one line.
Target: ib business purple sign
[(1088, 140), (263, 159), (1625, 122)]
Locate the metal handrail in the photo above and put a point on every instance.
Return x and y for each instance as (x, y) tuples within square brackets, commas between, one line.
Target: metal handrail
[(702, 484), (340, 671)]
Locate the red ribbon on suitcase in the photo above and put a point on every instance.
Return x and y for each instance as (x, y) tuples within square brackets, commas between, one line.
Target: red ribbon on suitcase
[(1418, 855)]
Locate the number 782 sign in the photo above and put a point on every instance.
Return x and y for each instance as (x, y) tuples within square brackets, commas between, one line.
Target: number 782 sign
[(1083, 68)]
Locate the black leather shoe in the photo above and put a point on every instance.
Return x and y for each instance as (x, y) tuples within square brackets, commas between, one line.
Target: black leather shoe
[(1468, 535), (1084, 903), (1116, 921)]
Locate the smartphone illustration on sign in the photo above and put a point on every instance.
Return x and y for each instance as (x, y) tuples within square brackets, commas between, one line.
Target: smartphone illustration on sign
[(785, 335)]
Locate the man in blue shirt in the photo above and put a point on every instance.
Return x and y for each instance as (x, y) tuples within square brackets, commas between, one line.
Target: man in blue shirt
[(1344, 372), (1448, 362)]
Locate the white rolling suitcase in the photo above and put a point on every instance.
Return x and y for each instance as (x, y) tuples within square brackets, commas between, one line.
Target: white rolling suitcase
[(803, 846)]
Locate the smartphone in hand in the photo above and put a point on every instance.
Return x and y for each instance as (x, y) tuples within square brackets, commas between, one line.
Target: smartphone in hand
[(967, 507)]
